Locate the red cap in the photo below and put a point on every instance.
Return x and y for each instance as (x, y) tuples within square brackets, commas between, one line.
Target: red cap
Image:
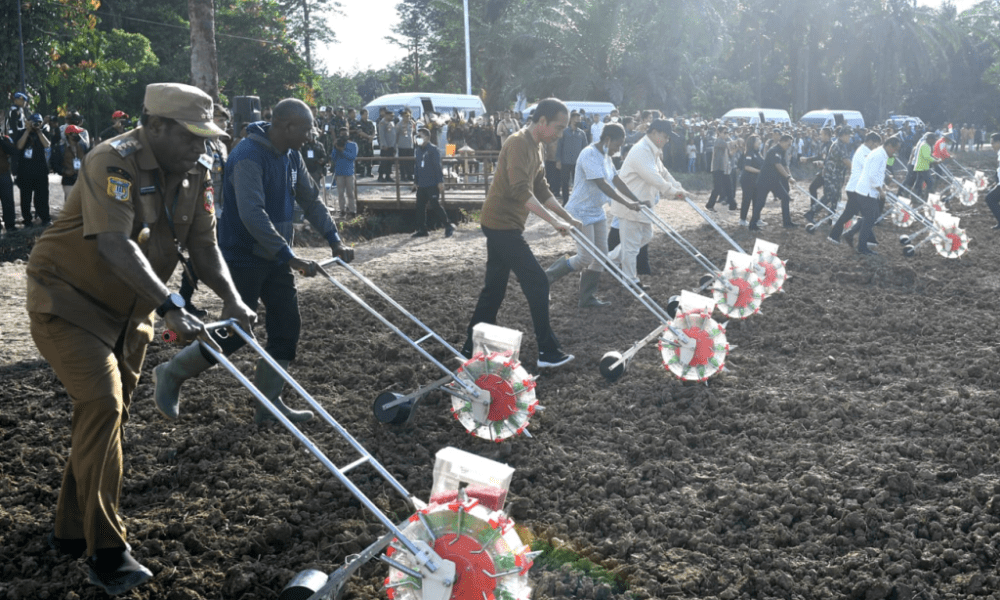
[(74, 129), (119, 115)]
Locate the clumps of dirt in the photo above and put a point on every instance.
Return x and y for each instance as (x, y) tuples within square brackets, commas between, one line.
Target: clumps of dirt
[(848, 451)]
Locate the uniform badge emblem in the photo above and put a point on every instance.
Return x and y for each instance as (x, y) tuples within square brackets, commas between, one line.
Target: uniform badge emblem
[(210, 200), (119, 189)]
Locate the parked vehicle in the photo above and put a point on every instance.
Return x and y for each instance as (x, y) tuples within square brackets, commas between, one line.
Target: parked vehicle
[(754, 115), (829, 118)]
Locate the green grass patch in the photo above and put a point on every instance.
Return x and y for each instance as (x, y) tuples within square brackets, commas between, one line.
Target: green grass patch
[(553, 558)]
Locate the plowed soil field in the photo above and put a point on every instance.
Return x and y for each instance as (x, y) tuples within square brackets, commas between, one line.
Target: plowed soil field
[(850, 450)]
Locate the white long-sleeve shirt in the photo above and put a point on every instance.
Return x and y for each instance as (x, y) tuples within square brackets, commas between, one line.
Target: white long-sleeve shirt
[(873, 174), (857, 166), (643, 172)]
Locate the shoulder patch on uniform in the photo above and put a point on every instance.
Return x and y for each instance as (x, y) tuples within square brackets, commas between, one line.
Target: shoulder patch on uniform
[(205, 160), (119, 189), (120, 172), (209, 200), (126, 146)]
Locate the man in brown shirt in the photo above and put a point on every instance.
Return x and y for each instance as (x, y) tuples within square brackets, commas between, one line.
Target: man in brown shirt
[(96, 276), (520, 186)]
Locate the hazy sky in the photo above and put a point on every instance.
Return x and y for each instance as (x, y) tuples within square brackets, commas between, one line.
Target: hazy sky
[(365, 23)]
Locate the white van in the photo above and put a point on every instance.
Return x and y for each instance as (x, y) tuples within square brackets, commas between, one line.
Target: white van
[(828, 118), (444, 104), (602, 109), (753, 115)]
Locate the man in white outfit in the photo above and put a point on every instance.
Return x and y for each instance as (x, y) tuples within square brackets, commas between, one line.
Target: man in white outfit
[(643, 172)]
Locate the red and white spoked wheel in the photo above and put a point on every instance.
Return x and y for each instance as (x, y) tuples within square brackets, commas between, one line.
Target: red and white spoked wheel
[(771, 271), (743, 297), (981, 181), (968, 195), (849, 224), (705, 353), (953, 243), (901, 217), (511, 393), (490, 559)]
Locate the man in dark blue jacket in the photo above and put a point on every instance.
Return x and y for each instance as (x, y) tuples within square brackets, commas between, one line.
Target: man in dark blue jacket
[(429, 183), (265, 177)]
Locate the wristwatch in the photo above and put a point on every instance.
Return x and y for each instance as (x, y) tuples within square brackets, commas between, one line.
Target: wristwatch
[(173, 302)]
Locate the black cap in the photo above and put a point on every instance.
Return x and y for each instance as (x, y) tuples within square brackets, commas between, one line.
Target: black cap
[(661, 125)]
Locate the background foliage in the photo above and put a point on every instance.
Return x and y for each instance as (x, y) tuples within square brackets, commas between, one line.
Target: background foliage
[(682, 56)]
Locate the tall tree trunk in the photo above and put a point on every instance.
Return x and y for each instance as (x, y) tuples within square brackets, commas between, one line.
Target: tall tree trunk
[(305, 18), (204, 63)]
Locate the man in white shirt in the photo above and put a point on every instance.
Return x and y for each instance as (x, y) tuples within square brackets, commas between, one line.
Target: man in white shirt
[(871, 188), (643, 172), (993, 198), (852, 208), (596, 128)]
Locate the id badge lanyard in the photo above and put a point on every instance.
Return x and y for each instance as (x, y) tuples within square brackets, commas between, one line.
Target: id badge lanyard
[(171, 210)]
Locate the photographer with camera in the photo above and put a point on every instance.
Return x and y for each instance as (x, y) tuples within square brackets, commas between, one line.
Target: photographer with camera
[(33, 171), (67, 158), (343, 155)]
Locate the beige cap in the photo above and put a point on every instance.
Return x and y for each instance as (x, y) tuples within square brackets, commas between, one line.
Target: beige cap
[(185, 104)]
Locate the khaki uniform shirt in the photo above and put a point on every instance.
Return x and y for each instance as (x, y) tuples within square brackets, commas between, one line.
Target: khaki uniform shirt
[(121, 189), (520, 175)]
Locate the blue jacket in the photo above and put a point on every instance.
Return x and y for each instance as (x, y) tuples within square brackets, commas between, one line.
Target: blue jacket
[(428, 166), (260, 189), (343, 160)]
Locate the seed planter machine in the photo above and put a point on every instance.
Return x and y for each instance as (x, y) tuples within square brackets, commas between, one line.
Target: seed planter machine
[(460, 545), (939, 227), (493, 396)]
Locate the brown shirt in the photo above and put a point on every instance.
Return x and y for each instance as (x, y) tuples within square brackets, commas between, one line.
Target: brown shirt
[(121, 189), (520, 176)]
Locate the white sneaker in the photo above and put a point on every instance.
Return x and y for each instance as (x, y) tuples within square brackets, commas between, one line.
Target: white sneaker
[(743, 223), (761, 224)]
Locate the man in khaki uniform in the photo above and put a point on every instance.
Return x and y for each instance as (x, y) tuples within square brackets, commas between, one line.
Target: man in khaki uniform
[(94, 280)]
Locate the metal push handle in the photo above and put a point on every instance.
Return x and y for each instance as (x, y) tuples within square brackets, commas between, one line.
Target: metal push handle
[(687, 246), (616, 272), (714, 225), (339, 472), (469, 389)]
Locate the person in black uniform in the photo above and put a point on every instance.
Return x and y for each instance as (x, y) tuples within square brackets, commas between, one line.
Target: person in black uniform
[(773, 178), (751, 162)]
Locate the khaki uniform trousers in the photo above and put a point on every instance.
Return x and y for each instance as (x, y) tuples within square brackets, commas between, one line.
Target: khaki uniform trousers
[(100, 381)]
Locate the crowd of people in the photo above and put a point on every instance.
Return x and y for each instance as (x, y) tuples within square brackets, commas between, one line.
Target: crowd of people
[(177, 190)]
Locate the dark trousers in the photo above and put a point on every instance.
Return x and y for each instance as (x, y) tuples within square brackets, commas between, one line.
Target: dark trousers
[(506, 251), (429, 195), (720, 188), (641, 261), (36, 188), (364, 167), (852, 208), (993, 202), (7, 201), (817, 183), (760, 199), (405, 166), (869, 214), (385, 165), (553, 176), (274, 285), (748, 185), (565, 177), (831, 196)]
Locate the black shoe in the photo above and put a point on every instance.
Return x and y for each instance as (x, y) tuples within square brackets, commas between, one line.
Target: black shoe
[(73, 548), (733, 207), (555, 358), (832, 240), (790, 225), (753, 228), (116, 572), (466, 350), (849, 238), (810, 217), (419, 234), (710, 207)]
